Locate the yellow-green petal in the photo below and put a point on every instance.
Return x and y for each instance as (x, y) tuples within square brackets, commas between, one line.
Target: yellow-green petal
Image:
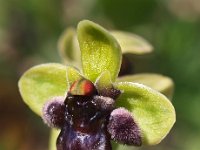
[(132, 43), (152, 111), (158, 82), (40, 83), (99, 50)]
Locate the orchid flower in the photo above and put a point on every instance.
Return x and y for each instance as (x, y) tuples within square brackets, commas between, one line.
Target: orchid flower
[(88, 107)]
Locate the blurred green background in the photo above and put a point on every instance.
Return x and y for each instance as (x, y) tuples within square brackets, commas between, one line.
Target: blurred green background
[(29, 30)]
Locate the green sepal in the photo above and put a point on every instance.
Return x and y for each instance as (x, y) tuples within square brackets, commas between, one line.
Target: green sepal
[(68, 47), (42, 82), (152, 111), (160, 83), (99, 51), (132, 43)]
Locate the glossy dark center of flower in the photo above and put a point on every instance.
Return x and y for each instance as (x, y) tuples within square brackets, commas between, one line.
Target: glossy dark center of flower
[(86, 119), (83, 115)]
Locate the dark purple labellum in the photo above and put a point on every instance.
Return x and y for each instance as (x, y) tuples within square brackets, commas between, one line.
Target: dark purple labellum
[(88, 120), (85, 126)]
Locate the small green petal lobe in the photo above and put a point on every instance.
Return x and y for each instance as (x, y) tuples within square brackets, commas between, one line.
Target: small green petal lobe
[(99, 50), (40, 83), (152, 111), (73, 75), (158, 82), (104, 81)]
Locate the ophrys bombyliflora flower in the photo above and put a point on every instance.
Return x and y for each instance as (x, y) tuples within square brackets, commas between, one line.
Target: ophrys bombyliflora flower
[(126, 112)]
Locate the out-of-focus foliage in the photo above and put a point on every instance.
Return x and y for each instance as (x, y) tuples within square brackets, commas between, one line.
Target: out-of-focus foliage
[(185, 9), (29, 30), (129, 12)]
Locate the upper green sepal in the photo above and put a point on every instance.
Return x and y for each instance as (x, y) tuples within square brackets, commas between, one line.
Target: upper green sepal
[(40, 83), (99, 51), (152, 111)]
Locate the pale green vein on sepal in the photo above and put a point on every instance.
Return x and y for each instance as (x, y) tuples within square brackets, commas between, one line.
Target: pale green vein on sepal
[(42, 82), (132, 43), (100, 51), (151, 110), (161, 83)]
